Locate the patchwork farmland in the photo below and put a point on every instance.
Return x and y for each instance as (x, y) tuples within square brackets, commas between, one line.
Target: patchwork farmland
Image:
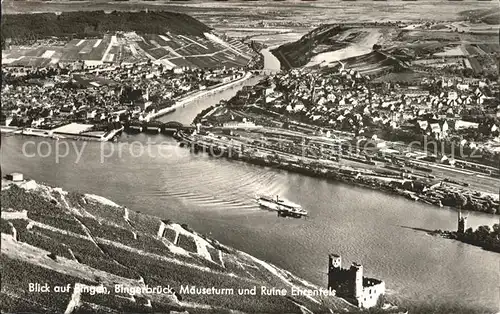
[(172, 50)]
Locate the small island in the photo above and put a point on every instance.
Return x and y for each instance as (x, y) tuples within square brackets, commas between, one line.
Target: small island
[(484, 236)]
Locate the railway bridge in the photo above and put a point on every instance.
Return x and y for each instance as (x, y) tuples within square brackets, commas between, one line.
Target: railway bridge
[(173, 126), (265, 71)]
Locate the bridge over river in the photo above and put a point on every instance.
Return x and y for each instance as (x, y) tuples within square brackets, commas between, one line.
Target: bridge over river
[(182, 117), (265, 71)]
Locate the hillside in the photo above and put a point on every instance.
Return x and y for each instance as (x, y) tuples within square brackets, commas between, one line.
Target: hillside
[(490, 16), (298, 53), (329, 44), (92, 246), (469, 48)]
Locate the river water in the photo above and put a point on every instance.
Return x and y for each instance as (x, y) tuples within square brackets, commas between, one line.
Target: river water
[(215, 197), (270, 61)]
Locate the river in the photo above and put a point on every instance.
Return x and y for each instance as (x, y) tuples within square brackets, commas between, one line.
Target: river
[(270, 61), (215, 197), (186, 114)]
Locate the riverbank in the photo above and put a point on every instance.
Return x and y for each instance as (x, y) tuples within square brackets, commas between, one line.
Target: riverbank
[(432, 192), (69, 239), (198, 94), (482, 237)]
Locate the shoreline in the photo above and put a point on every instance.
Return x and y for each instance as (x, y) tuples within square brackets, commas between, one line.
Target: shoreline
[(454, 235), (436, 196), (200, 93)]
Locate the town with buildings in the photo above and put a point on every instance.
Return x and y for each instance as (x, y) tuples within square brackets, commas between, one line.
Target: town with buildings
[(383, 129), (96, 101), (341, 122)]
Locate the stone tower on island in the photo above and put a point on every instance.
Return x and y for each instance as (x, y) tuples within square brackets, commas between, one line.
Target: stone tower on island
[(462, 223), (351, 285)]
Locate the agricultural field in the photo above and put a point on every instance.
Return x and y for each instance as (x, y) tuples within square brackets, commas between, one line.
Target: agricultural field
[(45, 54)]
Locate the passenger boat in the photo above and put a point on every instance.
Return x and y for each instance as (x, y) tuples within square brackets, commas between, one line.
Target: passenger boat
[(283, 206)]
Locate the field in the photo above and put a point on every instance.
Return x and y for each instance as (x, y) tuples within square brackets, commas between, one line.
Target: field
[(170, 49), (85, 49), (45, 54), (371, 63)]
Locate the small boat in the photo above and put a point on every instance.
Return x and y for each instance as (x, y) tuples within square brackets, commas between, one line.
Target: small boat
[(284, 207)]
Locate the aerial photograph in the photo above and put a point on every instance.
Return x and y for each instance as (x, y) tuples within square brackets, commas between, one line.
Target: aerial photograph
[(250, 156)]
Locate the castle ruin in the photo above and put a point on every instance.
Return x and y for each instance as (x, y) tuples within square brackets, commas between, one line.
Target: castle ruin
[(351, 285)]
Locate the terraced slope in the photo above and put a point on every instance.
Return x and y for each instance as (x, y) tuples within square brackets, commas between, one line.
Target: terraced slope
[(92, 246)]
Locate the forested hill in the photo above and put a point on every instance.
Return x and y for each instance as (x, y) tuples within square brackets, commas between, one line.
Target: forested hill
[(96, 23)]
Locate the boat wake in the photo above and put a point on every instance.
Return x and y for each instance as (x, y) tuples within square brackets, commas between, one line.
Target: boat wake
[(238, 195)]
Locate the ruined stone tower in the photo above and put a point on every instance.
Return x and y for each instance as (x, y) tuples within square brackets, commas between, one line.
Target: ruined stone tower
[(334, 269), (335, 261), (462, 223), (357, 270), (350, 284)]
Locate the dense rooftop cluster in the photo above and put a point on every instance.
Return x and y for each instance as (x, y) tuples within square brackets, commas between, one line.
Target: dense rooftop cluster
[(460, 112), (45, 98)]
